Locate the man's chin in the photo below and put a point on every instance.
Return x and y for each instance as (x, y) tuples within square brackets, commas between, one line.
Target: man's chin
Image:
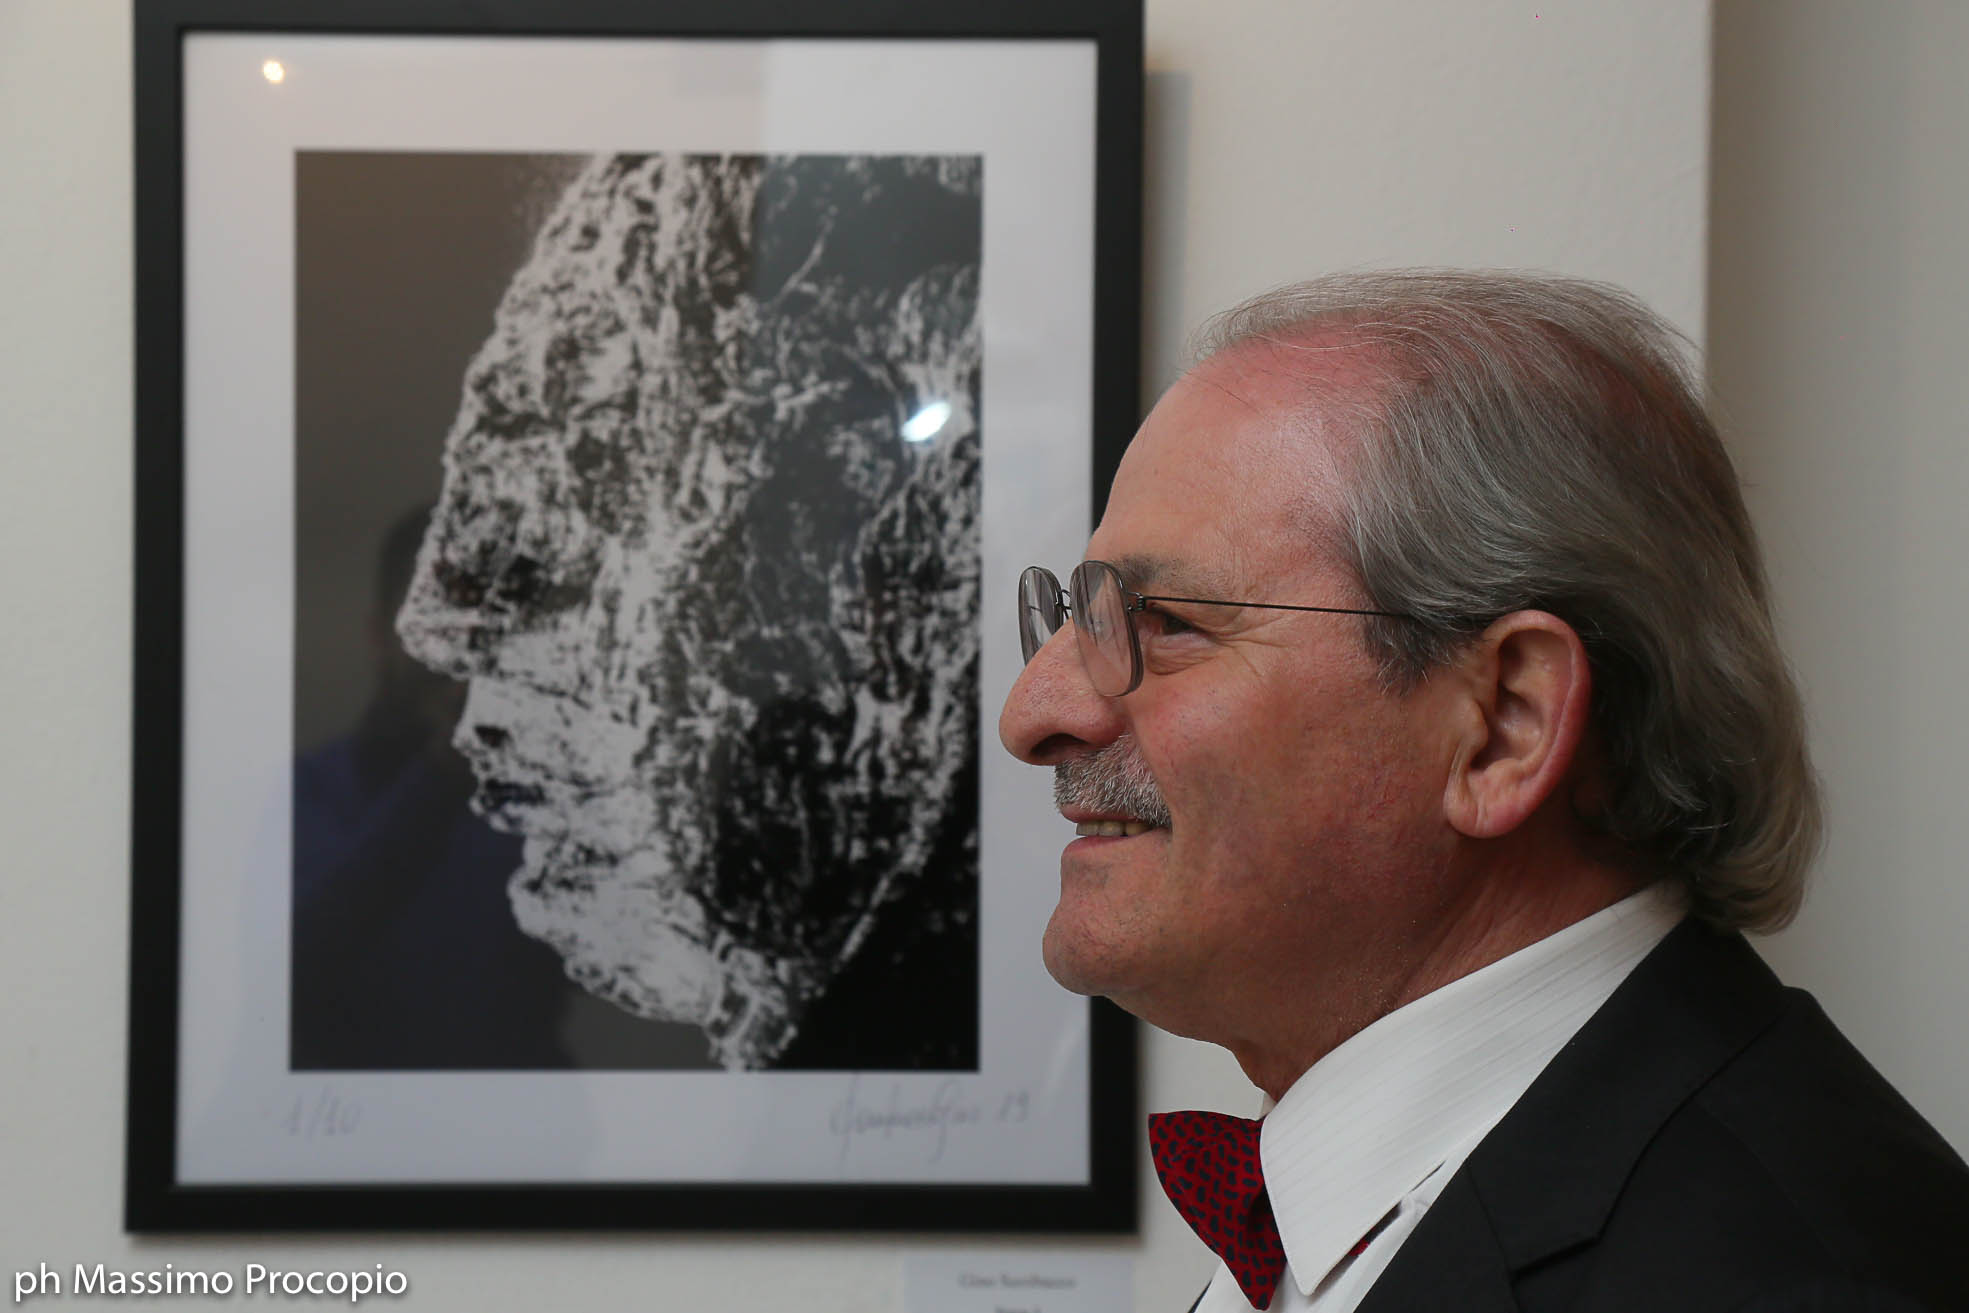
[(630, 934), (1074, 959)]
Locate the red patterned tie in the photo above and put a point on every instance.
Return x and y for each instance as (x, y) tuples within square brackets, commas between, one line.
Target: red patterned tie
[(1208, 1164)]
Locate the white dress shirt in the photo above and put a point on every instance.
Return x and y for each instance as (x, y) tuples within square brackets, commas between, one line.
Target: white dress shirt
[(1374, 1130)]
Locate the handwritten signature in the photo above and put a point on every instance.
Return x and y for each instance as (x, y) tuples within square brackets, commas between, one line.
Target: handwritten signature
[(948, 1108)]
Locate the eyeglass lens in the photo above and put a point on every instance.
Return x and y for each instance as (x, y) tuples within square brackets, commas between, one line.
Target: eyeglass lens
[(1100, 615), (1101, 625), (1040, 613)]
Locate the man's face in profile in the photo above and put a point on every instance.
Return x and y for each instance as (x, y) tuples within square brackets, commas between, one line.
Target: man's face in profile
[(717, 614), (1298, 834)]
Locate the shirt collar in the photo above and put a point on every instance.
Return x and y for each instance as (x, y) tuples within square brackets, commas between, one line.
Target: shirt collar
[(1371, 1120)]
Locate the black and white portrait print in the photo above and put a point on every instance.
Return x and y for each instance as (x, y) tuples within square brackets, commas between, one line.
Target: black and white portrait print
[(668, 751)]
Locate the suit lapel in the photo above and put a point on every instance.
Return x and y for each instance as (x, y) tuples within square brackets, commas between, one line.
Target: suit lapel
[(1451, 1262), (1547, 1176)]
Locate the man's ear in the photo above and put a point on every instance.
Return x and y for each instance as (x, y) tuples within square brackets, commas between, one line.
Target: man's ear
[(1530, 693)]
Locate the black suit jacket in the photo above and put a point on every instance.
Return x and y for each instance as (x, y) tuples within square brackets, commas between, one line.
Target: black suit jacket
[(1708, 1141)]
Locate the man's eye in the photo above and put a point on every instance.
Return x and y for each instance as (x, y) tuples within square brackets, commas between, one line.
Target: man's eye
[(1165, 624)]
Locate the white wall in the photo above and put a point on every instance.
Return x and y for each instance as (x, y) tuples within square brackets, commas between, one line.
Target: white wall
[(1286, 138), (1839, 318)]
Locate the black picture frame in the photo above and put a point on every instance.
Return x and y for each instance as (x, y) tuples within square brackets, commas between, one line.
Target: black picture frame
[(175, 723)]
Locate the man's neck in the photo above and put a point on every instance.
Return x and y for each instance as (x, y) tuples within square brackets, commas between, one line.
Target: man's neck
[(1514, 910), (1511, 908)]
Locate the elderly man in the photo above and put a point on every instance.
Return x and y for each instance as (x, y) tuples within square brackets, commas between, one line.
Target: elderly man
[(1420, 716)]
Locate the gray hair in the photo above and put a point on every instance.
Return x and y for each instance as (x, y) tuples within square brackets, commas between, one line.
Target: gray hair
[(1536, 442)]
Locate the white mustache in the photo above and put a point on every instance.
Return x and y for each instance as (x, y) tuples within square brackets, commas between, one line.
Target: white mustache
[(1113, 781)]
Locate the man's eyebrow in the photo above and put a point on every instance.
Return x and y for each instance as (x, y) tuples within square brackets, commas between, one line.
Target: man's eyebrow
[(1171, 576)]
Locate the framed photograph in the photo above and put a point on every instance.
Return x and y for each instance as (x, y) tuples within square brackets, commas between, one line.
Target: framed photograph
[(586, 453)]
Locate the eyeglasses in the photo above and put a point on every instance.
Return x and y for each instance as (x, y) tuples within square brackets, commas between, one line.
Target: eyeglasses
[(1103, 612)]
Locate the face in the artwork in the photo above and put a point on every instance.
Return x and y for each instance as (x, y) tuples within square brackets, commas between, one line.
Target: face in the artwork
[(1303, 811), (715, 610)]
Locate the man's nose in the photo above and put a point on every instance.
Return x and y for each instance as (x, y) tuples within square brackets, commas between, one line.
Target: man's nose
[(1053, 712), (437, 632)]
